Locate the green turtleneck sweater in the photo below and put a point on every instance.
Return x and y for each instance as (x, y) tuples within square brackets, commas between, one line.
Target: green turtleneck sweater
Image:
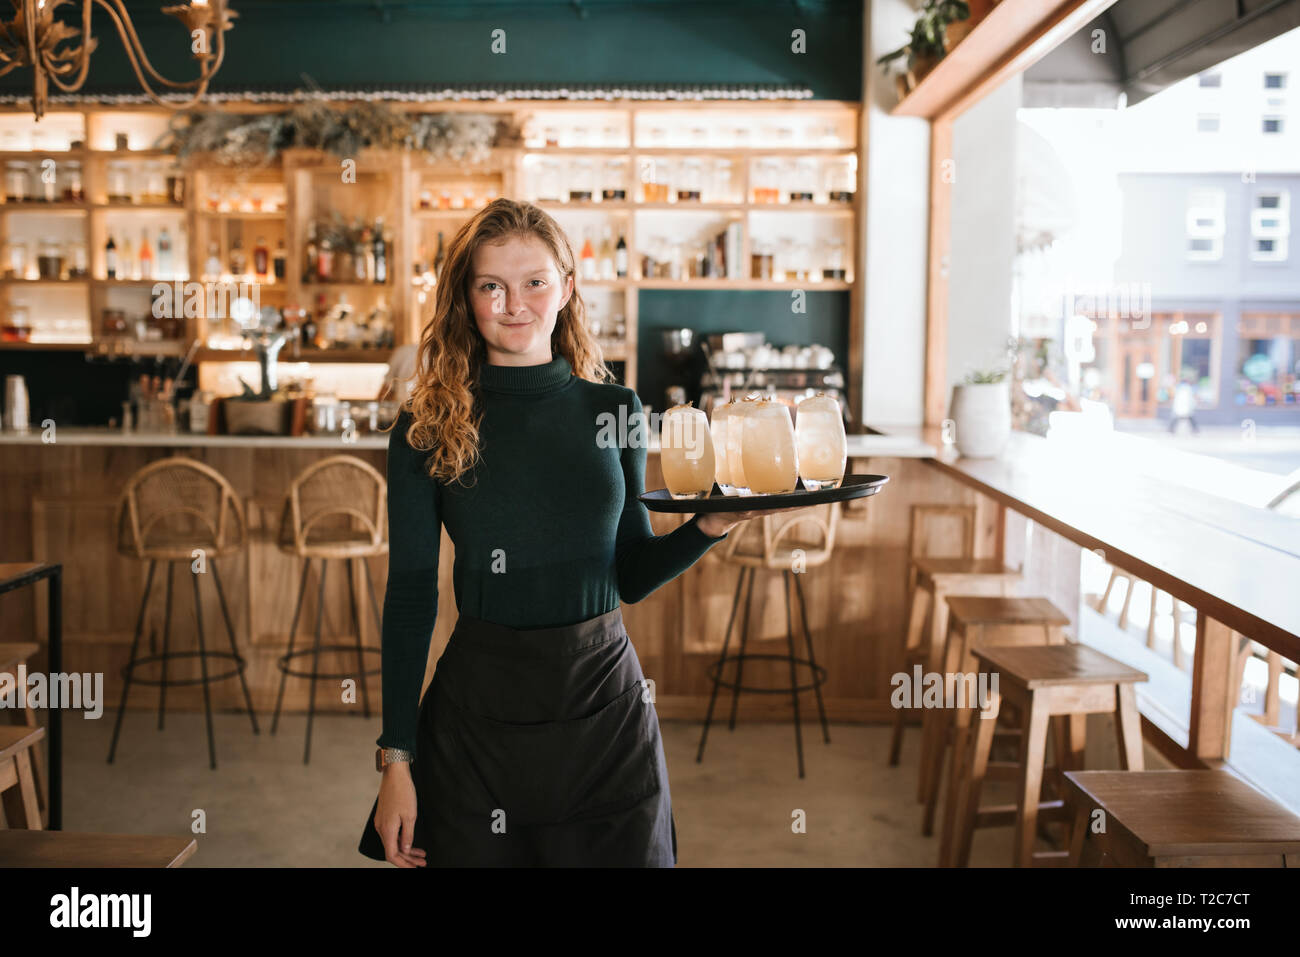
[(550, 530)]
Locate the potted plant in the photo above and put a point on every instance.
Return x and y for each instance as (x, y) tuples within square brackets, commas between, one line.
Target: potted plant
[(926, 47), (981, 413)]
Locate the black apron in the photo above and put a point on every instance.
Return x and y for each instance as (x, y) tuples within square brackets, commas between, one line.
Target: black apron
[(539, 747)]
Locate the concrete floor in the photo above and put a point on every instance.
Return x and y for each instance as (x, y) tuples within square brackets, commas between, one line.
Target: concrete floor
[(263, 808)]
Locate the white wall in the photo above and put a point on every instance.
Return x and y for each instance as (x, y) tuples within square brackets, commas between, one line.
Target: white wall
[(897, 230), (982, 251)]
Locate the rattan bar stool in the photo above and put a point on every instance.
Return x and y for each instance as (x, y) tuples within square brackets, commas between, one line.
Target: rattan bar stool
[(777, 550), (180, 510), (335, 509)]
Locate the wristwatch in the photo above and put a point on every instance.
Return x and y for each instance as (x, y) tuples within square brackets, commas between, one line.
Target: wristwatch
[(387, 756)]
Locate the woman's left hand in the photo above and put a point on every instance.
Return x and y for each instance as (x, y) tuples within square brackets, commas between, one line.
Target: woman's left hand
[(715, 524)]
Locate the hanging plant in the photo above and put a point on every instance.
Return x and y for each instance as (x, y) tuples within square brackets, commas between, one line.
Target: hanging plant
[(926, 45)]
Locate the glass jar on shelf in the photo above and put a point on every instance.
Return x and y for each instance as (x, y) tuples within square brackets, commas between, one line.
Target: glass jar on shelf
[(690, 182), (614, 186), (548, 182), (577, 136), (656, 175), (175, 184), (119, 182), (840, 180), (17, 325), (783, 267), (761, 260), (834, 268), (71, 189), (78, 260), (112, 324), (699, 137), (722, 189), (552, 136), (803, 180), (49, 259), (17, 181), (46, 184), (612, 137), (767, 181), (155, 184), (16, 260), (582, 181)]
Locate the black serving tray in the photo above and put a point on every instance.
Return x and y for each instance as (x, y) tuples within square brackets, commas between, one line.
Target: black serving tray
[(853, 486)]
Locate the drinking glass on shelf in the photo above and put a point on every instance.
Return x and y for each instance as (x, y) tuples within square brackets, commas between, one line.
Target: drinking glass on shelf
[(768, 448), (16, 263), (784, 267), (611, 136), (840, 180), (578, 136), (821, 444), (686, 452), (582, 181), (761, 265), (690, 182), (656, 174), (17, 181), (548, 183), (803, 180), (834, 268), (721, 189)]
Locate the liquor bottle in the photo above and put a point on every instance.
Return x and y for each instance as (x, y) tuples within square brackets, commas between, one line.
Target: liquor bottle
[(380, 253), (421, 261), (110, 257), (165, 268), (325, 261), (363, 255), (620, 258), (438, 259), (606, 255), (238, 260), (588, 257), (212, 268), (146, 256), (261, 258), (278, 260), (309, 273), (126, 259)]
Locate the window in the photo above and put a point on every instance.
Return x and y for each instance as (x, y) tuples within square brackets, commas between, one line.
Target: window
[(1207, 123), (1210, 80), (1205, 224), (1272, 124), (1270, 225), (1268, 359), (1274, 81)]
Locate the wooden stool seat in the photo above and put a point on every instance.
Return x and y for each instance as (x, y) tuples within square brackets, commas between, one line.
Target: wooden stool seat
[(14, 653), (974, 622), (1065, 681), (931, 567), (70, 849), (984, 610), (1178, 819), (17, 783)]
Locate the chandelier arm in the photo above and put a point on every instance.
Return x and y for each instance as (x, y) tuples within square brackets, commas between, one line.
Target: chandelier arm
[(202, 80), (135, 52), (83, 53)]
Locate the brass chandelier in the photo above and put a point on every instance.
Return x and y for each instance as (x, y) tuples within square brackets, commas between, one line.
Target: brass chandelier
[(33, 38)]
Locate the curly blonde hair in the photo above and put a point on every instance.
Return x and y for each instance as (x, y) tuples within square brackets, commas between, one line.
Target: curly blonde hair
[(445, 413)]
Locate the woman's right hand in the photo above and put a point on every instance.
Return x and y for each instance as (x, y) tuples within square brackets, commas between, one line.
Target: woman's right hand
[(395, 816)]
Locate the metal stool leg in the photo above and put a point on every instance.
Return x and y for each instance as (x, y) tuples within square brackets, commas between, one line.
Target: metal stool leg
[(374, 602), (167, 634), (203, 667), (126, 674), (726, 643), (234, 649), (794, 681), (740, 657), (315, 661), (293, 631), (817, 686), (356, 623)]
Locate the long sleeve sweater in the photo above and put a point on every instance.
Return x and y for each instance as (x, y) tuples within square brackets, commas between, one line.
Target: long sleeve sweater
[(548, 527)]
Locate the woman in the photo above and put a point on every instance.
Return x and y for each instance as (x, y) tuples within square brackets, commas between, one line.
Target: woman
[(536, 743)]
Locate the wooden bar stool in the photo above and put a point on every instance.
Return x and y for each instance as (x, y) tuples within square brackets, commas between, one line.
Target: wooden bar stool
[(777, 550), (1178, 819), (1070, 681), (13, 654), (977, 622), (17, 745), (70, 849), (180, 510), (931, 579), (335, 509)]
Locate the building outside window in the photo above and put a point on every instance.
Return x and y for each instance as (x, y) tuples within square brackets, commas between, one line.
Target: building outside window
[(1270, 226), (1274, 81), (1268, 359), (1213, 80), (1205, 224), (1272, 124), (1207, 123)]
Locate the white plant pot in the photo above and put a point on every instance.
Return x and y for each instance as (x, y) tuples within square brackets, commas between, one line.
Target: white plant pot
[(982, 415)]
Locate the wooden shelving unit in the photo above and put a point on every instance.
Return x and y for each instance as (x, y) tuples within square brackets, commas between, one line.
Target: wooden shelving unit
[(395, 184)]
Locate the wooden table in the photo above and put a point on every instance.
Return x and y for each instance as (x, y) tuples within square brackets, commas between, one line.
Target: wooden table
[(19, 575), (19, 848), (1236, 565), (1178, 819)]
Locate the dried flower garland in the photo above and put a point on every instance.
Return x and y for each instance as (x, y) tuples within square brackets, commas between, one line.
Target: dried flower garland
[(258, 139)]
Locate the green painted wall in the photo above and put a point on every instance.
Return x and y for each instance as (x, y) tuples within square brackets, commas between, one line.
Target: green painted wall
[(344, 43)]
